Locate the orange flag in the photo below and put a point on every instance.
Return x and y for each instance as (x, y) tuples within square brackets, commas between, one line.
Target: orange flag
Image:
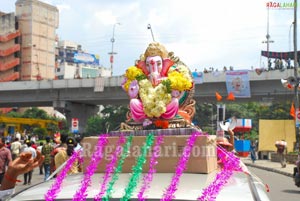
[(218, 96), (231, 96), (292, 110)]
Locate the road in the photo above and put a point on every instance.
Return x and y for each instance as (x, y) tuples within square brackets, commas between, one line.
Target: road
[(36, 178), (281, 187)]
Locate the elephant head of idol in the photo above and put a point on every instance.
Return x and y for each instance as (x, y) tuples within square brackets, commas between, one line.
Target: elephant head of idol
[(154, 63)]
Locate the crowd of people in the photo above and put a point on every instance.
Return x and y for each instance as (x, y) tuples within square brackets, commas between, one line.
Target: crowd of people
[(54, 151)]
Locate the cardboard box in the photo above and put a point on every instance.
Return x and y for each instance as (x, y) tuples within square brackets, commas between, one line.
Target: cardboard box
[(203, 157)]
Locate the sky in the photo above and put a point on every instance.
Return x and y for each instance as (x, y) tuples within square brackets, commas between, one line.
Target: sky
[(202, 34)]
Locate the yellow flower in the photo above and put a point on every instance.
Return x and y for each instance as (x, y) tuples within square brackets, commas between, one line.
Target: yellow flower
[(127, 84), (178, 81), (132, 72)]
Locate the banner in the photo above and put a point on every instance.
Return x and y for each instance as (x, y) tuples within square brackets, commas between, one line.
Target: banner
[(238, 83), (279, 55), (198, 77)]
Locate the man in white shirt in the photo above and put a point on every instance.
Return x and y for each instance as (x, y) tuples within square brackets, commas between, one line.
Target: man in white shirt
[(15, 148), (28, 175)]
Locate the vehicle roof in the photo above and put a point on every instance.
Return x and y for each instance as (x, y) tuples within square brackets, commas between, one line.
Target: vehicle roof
[(190, 187)]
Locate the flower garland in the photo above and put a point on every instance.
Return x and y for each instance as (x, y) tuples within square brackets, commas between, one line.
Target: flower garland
[(81, 194), (110, 167), (153, 161), (231, 163), (138, 168), (154, 99), (56, 186), (180, 167), (119, 167)]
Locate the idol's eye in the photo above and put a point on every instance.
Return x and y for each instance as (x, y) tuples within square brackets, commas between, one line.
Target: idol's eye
[(158, 63)]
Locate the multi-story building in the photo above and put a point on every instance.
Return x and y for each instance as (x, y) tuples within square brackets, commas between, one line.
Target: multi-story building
[(9, 48), (74, 62), (37, 22)]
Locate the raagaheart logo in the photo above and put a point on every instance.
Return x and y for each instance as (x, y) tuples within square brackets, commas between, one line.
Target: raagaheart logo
[(280, 5)]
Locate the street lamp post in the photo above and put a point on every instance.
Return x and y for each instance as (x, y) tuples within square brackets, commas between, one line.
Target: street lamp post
[(290, 49), (149, 27), (112, 40), (268, 41), (296, 148)]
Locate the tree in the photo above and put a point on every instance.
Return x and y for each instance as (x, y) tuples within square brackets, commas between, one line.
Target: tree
[(95, 126), (41, 132), (114, 116), (206, 113), (36, 113), (109, 119)]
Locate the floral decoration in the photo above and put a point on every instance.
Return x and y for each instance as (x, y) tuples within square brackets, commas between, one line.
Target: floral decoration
[(155, 99)]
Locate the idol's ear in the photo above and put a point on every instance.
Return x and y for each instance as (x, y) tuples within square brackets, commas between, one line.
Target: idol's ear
[(142, 65), (167, 63)]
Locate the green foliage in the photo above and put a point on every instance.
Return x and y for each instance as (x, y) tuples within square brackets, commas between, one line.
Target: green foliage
[(110, 119), (41, 132), (167, 83), (141, 77), (35, 113), (14, 114), (95, 125), (52, 127)]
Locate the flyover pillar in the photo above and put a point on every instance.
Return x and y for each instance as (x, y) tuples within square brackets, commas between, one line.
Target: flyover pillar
[(76, 110)]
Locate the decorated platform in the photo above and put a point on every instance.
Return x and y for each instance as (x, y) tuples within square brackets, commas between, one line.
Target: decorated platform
[(167, 149), (158, 136)]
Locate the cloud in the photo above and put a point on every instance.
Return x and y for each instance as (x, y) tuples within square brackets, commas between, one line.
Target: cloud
[(105, 17), (201, 33), (63, 7)]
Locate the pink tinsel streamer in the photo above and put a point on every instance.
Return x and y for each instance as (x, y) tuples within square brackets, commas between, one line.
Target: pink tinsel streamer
[(181, 166), (81, 193), (153, 161), (230, 164), (56, 186), (110, 168)]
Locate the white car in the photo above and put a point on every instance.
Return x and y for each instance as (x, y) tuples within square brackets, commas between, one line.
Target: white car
[(240, 186)]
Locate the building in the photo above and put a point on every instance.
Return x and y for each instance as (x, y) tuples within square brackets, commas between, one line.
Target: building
[(37, 22), (73, 62), (9, 48)]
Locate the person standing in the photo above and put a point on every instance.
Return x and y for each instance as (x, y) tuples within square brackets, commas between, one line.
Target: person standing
[(253, 151), (5, 158), (46, 151), (18, 135), (298, 164), (39, 148), (281, 151), (28, 175), (64, 154), (15, 148)]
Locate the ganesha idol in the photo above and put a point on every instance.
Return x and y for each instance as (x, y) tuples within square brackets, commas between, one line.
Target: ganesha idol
[(159, 87)]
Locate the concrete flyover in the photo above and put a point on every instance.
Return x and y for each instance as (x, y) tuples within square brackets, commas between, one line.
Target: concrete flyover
[(80, 97), (103, 91)]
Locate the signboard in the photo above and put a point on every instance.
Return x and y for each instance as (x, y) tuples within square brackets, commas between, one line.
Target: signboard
[(75, 125), (238, 83), (86, 58), (297, 118), (198, 77)]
